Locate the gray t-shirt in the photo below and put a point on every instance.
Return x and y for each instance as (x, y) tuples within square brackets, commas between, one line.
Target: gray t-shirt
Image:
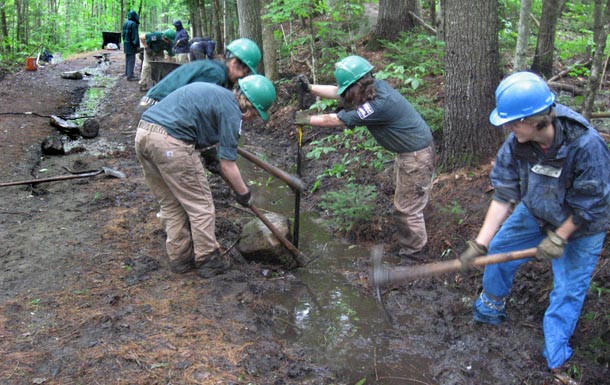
[(391, 119), (201, 113)]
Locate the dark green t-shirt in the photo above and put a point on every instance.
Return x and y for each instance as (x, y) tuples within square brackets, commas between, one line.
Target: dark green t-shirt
[(202, 113), (391, 119), (208, 71)]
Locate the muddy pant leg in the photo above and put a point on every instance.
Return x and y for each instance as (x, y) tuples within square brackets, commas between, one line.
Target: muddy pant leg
[(174, 219), (520, 231), (413, 174), (182, 58), (145, 76), (571, 278)]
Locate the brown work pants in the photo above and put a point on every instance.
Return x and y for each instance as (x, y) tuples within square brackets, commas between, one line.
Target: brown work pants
[(174, 172), (413, 173), (149, 55)]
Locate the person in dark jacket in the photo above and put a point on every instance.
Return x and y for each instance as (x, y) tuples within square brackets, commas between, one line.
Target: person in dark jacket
[(131, 43), (201, 48), (552, 192), (181, 43)]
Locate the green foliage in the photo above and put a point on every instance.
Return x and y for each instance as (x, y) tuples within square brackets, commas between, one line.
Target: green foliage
[(418, 54), (455, 211), (359, 141), (349, 207)]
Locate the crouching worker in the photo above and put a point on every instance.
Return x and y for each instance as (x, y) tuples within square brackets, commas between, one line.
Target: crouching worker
[(197, 116), (554, 168)]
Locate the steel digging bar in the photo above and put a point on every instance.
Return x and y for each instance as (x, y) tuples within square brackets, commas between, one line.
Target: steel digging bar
[(105, 170), (297, 194), (381, 276)]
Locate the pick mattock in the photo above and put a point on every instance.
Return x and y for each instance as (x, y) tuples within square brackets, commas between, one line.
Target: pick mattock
[(380, 276)]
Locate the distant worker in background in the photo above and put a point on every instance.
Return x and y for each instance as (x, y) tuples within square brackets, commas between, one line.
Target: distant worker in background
[(552, 192), (155, 44), (131, 43), (169, 135), (242, 58), (202, 48), (181, 44)]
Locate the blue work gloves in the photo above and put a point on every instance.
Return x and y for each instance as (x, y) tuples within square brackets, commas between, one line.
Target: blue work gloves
[(551, 247), (473, 251), (244, 199)]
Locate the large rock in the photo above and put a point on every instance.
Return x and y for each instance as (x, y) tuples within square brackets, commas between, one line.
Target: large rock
[(258, 243)]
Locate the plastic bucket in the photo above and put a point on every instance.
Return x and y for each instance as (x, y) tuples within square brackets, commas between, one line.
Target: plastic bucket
[(30, 64)]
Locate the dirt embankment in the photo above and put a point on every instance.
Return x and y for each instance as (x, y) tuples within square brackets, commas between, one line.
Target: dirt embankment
[(87, 297)]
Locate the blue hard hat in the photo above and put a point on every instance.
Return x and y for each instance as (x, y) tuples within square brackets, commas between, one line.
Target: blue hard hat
[(520, 95)]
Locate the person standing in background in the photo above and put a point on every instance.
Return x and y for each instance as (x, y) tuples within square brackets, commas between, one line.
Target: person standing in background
[(131, 43), (181, 44)]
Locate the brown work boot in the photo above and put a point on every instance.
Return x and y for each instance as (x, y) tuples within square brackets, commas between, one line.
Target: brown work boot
[(561, 377), (409, 258), (215, 263), (181, 267)]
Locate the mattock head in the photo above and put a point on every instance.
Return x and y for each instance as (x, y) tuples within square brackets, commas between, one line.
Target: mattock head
[(378, 274)]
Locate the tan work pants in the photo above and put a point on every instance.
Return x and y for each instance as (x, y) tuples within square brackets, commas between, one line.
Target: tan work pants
[(174, 172), (413, 173), (149, 55)]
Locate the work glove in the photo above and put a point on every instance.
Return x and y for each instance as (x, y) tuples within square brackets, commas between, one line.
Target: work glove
[(303, 83), (301, 118), (551, 247), (210, 160), (244, 199), (472, 251)]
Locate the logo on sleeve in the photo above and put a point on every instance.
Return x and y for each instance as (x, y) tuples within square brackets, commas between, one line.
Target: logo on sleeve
[(365, 110), (240, 123)]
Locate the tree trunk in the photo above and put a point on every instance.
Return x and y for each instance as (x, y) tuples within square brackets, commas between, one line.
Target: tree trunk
[(543, 59), (472, 73), (520, 62), (216, 26), (394, 17), (248, 13), (270, 50), (600, 35)]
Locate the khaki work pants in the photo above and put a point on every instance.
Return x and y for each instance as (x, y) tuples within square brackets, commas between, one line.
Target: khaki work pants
[(413, 173), (174, 172)]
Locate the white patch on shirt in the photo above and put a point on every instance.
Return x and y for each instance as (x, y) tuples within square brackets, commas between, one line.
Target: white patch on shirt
[(169, 154), (240, 123), (365, 110)]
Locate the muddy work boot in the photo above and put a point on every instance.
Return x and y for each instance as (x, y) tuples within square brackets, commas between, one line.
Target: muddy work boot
[(181, 267), (561, 377), (489, 310), (213, 264)]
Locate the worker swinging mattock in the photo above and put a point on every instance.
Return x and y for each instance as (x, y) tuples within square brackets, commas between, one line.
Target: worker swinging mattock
[(551, 201)]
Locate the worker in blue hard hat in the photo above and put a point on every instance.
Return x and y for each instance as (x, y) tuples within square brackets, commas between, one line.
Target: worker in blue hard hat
[(552, 192)]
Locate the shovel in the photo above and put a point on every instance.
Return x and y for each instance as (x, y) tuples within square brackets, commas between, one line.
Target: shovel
[(74, 175), (380, 276)]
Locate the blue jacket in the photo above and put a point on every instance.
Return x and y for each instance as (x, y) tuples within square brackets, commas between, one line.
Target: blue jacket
[(572, 178), (131, 38), (181, 42)]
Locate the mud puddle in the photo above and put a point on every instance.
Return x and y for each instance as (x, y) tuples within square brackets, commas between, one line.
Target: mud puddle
[(328, 312)]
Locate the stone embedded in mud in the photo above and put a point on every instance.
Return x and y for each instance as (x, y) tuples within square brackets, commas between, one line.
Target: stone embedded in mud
[(258, 244), (74, 75)]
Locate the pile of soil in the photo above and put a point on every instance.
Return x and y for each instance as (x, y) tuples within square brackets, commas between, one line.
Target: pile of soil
[(87, 296)]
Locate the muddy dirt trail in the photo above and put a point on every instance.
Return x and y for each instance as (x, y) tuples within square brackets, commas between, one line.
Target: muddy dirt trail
[(86, 295)]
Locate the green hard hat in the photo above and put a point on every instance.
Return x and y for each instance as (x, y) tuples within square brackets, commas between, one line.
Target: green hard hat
[(349, 70), (169, 34), (260, 92), (247, 51)]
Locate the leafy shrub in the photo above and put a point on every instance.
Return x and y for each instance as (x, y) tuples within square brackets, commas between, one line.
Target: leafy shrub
[(349, 207)]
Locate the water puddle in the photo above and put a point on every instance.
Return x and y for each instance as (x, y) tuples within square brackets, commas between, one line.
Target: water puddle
[(342, 325)]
